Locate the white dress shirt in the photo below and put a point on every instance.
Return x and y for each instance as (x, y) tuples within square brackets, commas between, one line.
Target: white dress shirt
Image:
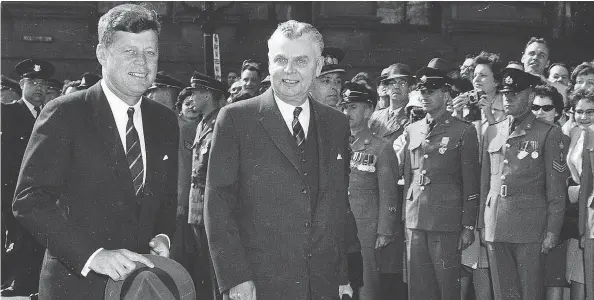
[(119, 109), (287, 113), (31, 107)]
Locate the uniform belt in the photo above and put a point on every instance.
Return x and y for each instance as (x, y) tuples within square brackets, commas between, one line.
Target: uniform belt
[(423, 179)]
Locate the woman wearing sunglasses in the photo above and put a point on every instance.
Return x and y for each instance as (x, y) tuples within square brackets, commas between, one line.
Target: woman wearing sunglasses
[(547, 103)]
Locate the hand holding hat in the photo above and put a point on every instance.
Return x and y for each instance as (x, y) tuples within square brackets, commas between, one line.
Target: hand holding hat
[(117, 264)]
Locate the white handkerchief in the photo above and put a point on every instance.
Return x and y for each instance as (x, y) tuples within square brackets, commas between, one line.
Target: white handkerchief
[(165, 157), (339, 156)]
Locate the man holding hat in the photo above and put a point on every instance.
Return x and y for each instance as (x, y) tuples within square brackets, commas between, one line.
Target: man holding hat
[(191, 245), (441, 175), (17, 123), (389, 122), (522, 190), (373, 195), (326, 87), (165, 90), (98, 180)]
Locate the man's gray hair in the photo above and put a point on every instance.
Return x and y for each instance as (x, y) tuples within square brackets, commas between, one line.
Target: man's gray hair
[(294, 29), (129, 18)]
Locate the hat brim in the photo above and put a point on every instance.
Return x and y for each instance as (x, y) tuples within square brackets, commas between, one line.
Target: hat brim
[(178, 273), (338, 70)]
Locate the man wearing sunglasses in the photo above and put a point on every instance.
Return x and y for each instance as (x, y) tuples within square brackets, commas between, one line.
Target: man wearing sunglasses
[(389, 122), (522, 190)]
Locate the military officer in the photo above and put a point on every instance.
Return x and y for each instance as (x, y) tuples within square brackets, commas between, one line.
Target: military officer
[(17, 124), (326, 87), (191, 245), (441, 174), (373, 196), (165, 90), (522, 190), (389, 122)]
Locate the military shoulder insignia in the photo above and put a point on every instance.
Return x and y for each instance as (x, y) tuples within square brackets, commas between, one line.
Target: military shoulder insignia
[(188, 145), (560, 166)]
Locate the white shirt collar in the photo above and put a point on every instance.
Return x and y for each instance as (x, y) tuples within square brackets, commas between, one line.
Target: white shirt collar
[(287, 113), (31, 107)]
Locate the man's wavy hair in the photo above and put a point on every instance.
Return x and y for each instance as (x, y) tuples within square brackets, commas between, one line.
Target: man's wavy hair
[(294, 29), (128, 18)]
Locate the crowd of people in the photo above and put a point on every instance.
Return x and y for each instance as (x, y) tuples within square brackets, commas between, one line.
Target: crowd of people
[(469, 182)]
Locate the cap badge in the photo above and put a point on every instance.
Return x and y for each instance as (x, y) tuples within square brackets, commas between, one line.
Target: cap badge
[(37, 68), (329, 60), (424, 78), (508, 80), (347, 93)]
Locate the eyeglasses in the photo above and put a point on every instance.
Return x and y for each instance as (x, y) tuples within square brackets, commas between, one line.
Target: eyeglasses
[(546, 108), (587, 112)]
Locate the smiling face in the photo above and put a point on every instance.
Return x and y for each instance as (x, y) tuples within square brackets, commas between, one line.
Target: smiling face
[(251, 81), (536, 58), (130, 63), (583, 80), (584, 113), (326, 88), (559, 74), (187, 109), (483, 79), (293, 65)]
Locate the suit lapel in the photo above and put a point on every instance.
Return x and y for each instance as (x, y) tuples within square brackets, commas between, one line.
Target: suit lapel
[(324, 139), (151, 141), (108, 133), (26, 110), (274, 124)]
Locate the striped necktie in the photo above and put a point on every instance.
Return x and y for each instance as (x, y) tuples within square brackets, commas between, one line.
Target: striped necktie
[(133, 153), (298, 133)]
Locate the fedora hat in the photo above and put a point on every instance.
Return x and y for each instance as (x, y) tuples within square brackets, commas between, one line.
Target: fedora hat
[(167, 280)]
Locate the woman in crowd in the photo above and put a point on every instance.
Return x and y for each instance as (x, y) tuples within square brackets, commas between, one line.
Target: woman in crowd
[(548, 105), (580, 161), (581, 76)]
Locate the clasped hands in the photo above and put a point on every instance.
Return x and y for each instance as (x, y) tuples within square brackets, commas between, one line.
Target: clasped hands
[(117, 264)]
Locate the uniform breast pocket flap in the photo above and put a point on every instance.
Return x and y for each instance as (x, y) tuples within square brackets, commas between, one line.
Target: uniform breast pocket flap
[(495, 154)]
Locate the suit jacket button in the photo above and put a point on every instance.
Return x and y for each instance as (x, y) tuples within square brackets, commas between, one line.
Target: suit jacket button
[(426, 156), (503, 177), (422, 188), (424, 172)]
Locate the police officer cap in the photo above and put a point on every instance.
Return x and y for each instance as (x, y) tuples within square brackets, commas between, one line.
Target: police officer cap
[(357, 93), (332, 57), (515, 80), (88, 80), (9, 84), (54, 84), (35, 69), (200, 80), (434, 75), (163, 80)]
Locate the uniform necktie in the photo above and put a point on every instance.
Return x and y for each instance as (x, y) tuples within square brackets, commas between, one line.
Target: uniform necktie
[(431, 125), (512, 126), (298, 133), (37, 111), (133, 153)]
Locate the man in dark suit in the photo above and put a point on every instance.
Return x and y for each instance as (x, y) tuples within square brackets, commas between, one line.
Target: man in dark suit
[(522, 191), (441, 175), (276, 191), (98, 180), (24, 259)]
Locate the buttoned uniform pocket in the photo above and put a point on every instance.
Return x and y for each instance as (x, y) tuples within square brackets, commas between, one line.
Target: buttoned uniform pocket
[(415, 158), (495, 155)]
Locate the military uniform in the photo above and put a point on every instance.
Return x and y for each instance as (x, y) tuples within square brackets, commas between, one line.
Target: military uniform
[(388, 124), (522, 196), (441, 175), (24, 260), (191, 245)]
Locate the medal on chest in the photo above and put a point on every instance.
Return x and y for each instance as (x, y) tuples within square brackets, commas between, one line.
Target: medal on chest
[(523, 150), (534, 154), (443, 146), (363, 162)]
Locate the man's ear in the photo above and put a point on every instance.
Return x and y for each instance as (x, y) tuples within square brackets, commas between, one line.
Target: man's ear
[(320, 64), (22, 83), (101, 53)]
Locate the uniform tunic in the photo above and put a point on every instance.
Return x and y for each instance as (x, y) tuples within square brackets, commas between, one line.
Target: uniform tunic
[(388, 125), (375, 202)]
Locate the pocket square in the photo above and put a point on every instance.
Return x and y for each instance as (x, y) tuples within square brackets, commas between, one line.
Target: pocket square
[(339, 156), (165, 157)]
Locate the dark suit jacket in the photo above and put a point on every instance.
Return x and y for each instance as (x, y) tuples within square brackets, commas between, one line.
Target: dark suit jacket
[(261, 225), (75, 192)]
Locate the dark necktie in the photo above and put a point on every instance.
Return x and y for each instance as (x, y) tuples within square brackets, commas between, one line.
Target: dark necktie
[(133, 153), (513, 125), (586, 166), (37, 111), (431, 125), (298, 133)]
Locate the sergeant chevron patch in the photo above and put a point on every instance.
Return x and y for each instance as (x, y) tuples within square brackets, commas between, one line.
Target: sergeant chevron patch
[(559, 167)]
